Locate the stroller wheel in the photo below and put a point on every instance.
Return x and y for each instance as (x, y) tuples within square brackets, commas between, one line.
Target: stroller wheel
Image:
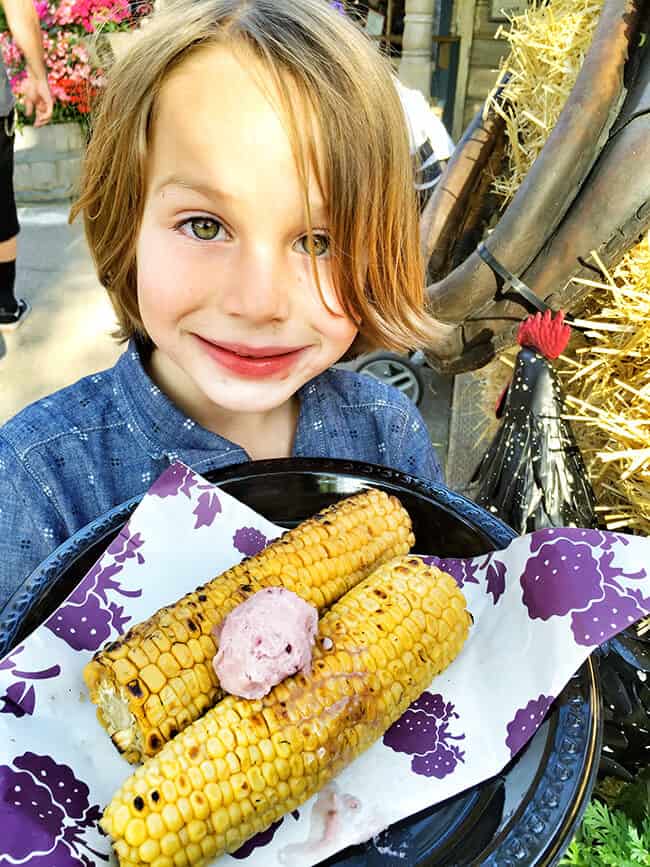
[(395, 370)]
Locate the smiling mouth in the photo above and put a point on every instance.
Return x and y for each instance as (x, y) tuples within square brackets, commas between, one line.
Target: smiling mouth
[(252, 361), (254, 352)]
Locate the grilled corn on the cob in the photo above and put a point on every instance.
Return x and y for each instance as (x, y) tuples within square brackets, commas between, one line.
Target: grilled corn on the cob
[(247, 762), (158, 678)]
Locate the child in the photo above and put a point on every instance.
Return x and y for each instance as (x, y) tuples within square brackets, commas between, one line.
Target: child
[(248, 199)]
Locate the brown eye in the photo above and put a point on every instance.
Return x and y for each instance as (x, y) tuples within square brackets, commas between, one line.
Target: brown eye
[(204, 228), (319, 245)]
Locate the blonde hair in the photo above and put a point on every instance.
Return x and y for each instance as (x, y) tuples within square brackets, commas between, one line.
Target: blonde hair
[(359, 151)]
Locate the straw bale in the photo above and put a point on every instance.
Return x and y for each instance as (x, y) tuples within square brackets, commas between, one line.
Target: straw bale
[(605, 371), (606, 379), (548, 44)]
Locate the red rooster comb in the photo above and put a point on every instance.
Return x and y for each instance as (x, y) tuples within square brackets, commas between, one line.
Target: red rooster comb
[(548, 335)]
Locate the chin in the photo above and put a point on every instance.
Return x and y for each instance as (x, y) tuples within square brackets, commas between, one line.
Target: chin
[(259, 396)]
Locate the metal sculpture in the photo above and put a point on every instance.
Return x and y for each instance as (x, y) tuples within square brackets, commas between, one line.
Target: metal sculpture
[(589, 189)]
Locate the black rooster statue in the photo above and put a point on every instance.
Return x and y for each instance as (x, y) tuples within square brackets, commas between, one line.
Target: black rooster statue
[(533, 476)]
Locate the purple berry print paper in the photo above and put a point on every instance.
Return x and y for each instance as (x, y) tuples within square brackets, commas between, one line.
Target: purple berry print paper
[(20, 699), (424, 732), (45, 815), (526, 722), (539, 609)]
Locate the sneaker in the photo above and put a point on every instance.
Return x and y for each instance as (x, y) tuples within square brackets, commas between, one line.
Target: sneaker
[(11, 321)]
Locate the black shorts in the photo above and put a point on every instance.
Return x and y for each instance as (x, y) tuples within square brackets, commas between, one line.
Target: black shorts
[(8, 216)]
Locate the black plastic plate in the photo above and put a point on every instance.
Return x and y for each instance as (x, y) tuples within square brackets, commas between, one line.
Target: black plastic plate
[(526, 815)]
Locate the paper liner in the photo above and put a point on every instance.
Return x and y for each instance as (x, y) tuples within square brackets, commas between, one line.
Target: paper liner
[(540, 607)]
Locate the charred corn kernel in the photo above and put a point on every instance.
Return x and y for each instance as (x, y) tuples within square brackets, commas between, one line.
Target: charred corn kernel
[(158, 678), (154, 710), (125, 671), (327, 718), (240, 786), (183, 785), (200, 805), (282, 744)]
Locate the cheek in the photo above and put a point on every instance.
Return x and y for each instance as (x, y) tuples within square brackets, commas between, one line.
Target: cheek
[(338, 331), (150, 281), (328, 311), (163, 283)]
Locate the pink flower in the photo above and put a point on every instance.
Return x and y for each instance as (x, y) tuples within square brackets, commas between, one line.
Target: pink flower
[(71, 76)]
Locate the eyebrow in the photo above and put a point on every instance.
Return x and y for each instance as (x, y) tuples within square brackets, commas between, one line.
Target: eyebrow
[(194, 186), (318, 210)]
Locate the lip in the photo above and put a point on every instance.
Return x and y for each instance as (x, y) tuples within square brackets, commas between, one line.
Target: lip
[(252, 361)]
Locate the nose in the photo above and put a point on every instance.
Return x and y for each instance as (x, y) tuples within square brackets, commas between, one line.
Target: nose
[(258, 290)]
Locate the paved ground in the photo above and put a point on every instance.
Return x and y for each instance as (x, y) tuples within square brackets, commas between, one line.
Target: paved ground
[(67, 335)]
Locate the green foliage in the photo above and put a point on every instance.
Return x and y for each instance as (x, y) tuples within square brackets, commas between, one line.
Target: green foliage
[(615, 830)]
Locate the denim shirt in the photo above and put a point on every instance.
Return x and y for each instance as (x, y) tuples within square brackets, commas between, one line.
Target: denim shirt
[(70, 457)]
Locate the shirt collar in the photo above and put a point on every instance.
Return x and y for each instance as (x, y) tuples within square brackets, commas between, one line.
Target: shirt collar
[(157, 423), (165, 432)]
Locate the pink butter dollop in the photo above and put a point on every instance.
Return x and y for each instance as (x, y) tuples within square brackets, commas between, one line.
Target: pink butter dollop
[(265, 639)]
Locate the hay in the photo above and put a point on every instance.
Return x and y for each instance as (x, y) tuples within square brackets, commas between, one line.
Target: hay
[(606, 370), (606, 378), (548, 44)]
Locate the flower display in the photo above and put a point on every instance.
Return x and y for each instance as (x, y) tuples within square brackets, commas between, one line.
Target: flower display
[(67, 26)]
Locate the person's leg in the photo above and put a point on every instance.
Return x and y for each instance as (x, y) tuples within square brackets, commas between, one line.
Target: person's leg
[(12, 310), (8, 303)]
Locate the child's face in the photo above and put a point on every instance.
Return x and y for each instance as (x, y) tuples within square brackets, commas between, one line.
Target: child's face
[(225, 282)]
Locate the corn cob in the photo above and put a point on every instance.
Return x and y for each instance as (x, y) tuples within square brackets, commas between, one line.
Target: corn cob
[(158, 678), (247, 762)]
